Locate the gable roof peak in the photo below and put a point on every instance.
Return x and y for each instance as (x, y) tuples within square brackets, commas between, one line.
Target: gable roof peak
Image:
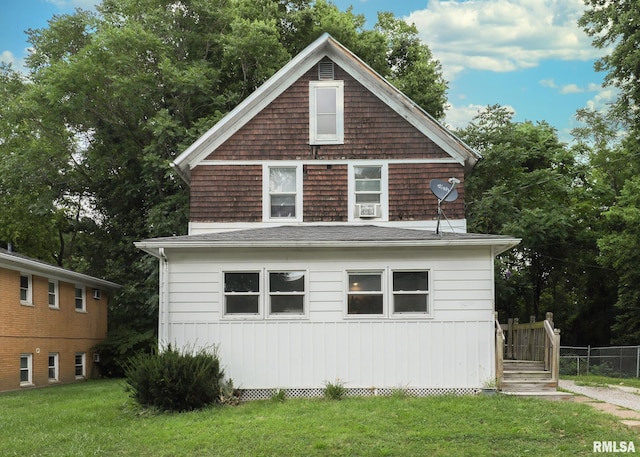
[(324, 46)]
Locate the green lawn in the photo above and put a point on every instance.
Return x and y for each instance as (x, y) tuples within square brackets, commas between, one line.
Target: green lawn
[(97, 418), (603, 381)]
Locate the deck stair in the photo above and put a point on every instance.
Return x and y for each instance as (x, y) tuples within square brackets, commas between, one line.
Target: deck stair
[(526, 376), (528, 358)]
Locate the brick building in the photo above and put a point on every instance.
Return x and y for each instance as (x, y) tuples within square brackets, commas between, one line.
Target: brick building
[(50, 319)]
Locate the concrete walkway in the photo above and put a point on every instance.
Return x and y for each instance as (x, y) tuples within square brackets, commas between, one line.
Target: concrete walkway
[(621, 401)]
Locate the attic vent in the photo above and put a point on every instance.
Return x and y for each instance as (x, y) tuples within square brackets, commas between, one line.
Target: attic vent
[(325, 71)]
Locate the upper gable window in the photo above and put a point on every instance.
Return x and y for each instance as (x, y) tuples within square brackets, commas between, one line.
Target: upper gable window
[(368, 191), (326, 112), (282, 192)]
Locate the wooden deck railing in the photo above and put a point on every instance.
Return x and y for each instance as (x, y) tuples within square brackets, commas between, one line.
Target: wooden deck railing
[(534, 341), (499, 354)]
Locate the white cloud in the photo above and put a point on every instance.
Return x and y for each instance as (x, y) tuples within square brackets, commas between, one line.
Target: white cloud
[(458, 117), (570, 88), (603, 99), (72, 4), (7, 57), (502, 35)]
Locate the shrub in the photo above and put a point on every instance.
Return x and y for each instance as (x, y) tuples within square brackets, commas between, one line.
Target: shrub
[(120, 344), (278, 395), (174, 380), (334, 391)]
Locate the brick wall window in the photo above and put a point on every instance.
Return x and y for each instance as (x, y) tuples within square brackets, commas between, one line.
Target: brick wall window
[(54, 368), (26, 369), (80, 299), (26, 290), (53, 294), (81, 365)]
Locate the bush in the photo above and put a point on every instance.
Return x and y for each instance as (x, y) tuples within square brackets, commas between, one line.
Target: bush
[(174, 380), (334, 391), (120, 344)]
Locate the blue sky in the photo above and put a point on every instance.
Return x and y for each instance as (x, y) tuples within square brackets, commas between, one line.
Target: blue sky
[(528, 55)]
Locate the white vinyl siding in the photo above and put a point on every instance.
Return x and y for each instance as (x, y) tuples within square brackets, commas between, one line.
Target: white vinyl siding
[(450, 346)]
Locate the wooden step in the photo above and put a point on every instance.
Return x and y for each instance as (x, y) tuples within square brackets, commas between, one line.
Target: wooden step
[(522, 375), (529, 386), (523, 365)]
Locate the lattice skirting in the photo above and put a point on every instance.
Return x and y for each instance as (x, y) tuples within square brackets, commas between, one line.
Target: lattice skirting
[(266, 394)]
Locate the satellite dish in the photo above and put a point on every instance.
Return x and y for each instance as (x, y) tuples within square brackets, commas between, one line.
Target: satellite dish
[(445, 191)]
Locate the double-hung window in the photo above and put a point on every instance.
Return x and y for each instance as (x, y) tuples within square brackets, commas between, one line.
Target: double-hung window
[(53, 294), (365, 294), (25, 289), (81, 365), (286, 292), (326, 112), (411, 292), (368, 197), (53, 367), (242, 293), (26, 369), (80, 299), (283, 192)]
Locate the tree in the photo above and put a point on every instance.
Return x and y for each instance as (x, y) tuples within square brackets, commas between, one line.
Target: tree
[(615, 24), (113, 96), (522, 187)]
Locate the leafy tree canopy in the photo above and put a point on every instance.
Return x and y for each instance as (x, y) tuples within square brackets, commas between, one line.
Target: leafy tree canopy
[(111, 97)]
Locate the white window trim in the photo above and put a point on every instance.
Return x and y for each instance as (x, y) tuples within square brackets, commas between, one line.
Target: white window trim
[(84, 365), (266, 195), (268, 294), (84, 298), (56, 300), (383, 284), (56, 366), (29, 300), (224, 294), (313, 136), (29, 381), (412, 315), (384, 191)]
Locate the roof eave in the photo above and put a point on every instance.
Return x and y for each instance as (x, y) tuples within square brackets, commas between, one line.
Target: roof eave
[(498, 245), (52, 270)]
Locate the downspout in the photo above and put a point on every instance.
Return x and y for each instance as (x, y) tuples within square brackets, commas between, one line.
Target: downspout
[(163, 301)]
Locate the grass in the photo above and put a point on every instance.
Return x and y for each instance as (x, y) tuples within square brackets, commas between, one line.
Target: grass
[(98, 418), (603, 381)]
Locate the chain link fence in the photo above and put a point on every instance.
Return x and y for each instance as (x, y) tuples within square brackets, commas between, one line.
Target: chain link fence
[(614, 361)]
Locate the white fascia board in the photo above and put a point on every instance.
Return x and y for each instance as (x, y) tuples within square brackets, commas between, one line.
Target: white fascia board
[(498, 246), (406, 108), (32, 266)]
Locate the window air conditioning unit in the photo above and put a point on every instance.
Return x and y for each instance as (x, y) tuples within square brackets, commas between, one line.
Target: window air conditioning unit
[(96, 357), (97, 294), (368, 210)]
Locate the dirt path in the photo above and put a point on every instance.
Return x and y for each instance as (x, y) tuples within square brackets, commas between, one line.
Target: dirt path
[(621, 401)]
